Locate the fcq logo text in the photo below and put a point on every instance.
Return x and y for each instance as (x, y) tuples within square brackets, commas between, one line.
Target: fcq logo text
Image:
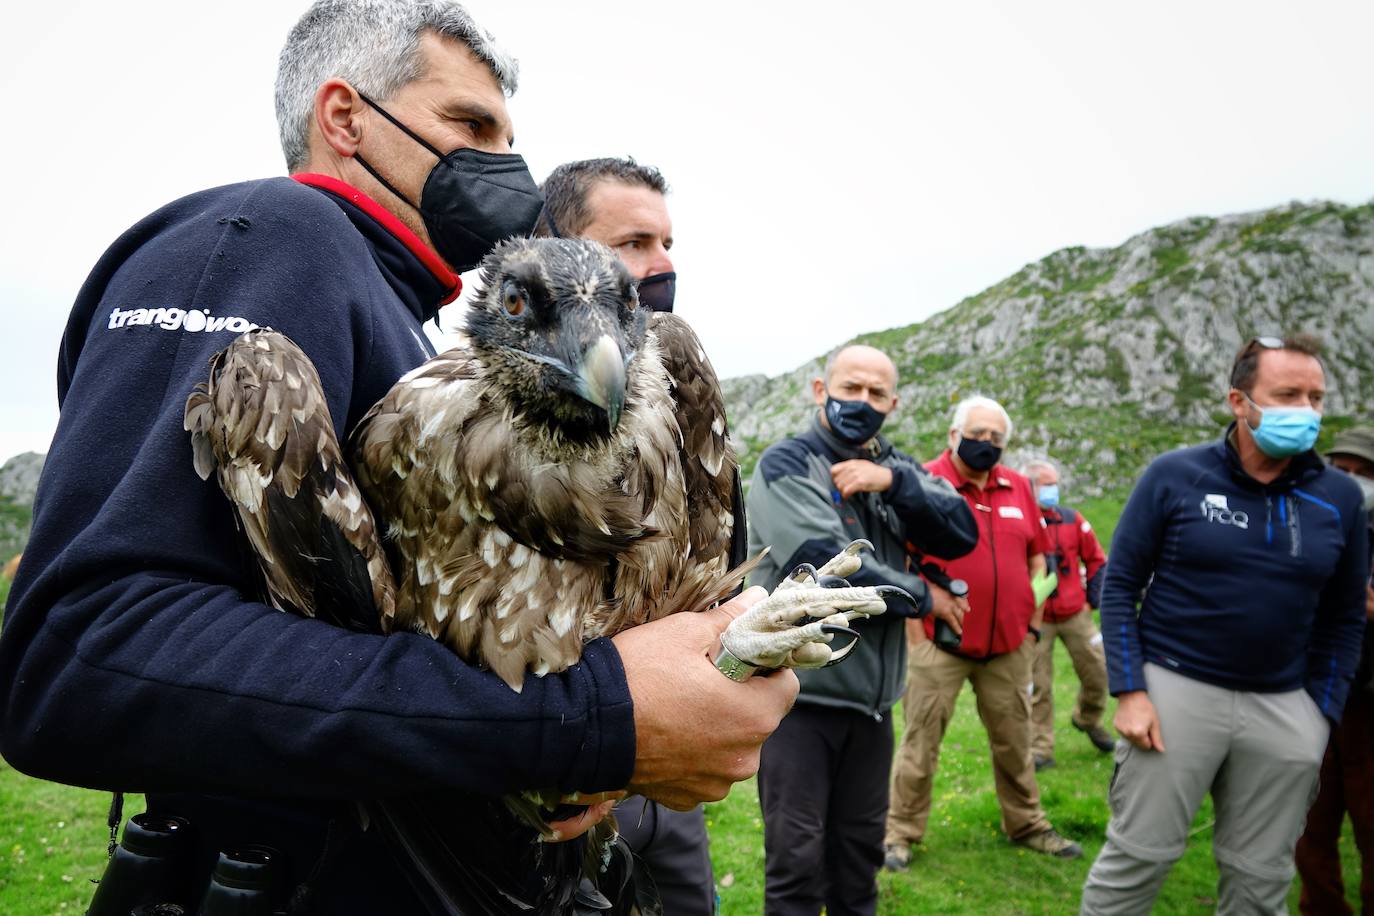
[(1216, 512)]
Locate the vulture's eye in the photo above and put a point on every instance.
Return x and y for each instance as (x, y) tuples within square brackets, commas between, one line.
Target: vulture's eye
[(513, 298)]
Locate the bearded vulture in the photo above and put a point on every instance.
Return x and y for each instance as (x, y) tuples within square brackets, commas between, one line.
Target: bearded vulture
[(562, 475)]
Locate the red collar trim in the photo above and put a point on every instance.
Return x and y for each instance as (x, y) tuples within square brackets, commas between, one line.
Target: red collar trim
[(433, 263)]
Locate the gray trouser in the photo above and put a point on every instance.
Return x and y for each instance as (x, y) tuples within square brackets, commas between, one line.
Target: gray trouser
[(1257, 753)]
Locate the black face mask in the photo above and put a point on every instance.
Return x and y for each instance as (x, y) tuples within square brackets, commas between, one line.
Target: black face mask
[(656, 293), (471, 200), (853, 422), (977, 454)]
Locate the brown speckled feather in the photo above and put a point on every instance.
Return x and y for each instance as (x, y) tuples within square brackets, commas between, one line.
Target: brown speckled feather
[(505, 535), (523, 510), (513, 538), (708, 460), (261, 424), (507, 531)]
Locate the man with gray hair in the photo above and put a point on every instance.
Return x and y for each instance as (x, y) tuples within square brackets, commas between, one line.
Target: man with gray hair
[(992, 646), (1077, 559), (132, 655)]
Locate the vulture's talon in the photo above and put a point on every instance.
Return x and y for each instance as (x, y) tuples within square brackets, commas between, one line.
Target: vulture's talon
[(847, 561), (839, 655), (901, 594), (792, 626), (835, 629)]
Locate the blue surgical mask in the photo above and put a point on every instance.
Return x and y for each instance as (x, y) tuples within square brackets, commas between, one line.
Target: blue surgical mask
[(1285, 431), (1049, 495)]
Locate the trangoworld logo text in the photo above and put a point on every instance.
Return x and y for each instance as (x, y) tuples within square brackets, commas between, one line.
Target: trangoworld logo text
[(173, 319), (1215, 511)]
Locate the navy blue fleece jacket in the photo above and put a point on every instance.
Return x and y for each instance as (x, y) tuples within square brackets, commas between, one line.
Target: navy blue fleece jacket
[(134, 654), (1248, 586)]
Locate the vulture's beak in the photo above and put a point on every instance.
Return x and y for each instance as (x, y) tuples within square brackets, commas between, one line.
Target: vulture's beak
[(601, 377)]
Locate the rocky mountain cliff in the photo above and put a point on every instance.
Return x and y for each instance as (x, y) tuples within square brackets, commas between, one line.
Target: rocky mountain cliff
[(1107, 357), (18, 482)]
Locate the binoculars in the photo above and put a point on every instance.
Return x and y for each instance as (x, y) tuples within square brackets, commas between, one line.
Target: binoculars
[(945, 637), (150, 874), (1056, 563)]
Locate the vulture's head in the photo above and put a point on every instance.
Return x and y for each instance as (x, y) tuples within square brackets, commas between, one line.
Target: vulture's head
[(558, 324)]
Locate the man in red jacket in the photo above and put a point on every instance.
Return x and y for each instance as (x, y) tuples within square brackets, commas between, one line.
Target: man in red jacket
[(1074, 553), (991, 649)]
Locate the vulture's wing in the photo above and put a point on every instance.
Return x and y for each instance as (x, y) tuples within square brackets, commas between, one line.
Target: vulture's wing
[(262, 425), (710, 468), (708, 460)]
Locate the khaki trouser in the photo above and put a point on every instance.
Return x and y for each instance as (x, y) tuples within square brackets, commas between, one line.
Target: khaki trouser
[(1085, 650), (1002, 686)]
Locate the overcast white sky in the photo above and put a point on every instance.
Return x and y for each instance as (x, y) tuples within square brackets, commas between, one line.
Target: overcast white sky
[(836, 168)]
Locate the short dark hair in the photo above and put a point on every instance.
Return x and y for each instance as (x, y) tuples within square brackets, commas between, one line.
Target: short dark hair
[(1246, 364), (565, 191)]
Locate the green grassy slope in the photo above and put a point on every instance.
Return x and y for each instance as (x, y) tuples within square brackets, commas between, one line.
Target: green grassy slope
[(52, 837), (966, 865)]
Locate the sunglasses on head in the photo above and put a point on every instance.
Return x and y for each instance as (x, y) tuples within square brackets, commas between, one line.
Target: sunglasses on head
[(1265, 343), (1259, 343)]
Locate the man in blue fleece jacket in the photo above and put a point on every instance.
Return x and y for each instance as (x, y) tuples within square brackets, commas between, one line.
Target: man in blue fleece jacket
[(134, 656), (1248, 560)]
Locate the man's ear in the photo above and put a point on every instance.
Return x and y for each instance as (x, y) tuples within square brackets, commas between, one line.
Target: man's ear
[(338, 110), (818, 392), (1239, 408)]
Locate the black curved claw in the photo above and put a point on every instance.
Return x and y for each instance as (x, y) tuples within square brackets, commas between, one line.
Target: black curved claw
[(839, 655), (806, 568), (890, 593), (833, 582)]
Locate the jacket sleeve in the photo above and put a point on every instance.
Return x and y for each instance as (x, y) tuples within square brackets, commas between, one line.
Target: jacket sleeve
[(1094, 560), (794, 514), (937, 519), (1338, 629), (131, 656), (1135, 546)]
